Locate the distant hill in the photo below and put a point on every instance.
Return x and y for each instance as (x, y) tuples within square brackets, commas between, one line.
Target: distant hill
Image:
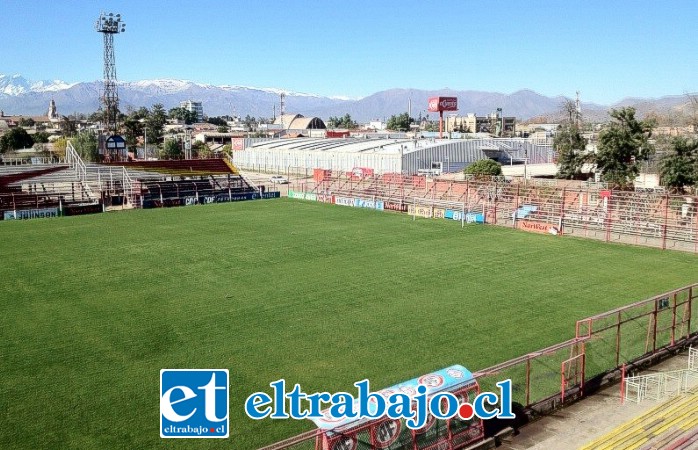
[(21, 96)]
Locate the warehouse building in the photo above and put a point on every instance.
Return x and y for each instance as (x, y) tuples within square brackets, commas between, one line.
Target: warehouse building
[(384, 155)]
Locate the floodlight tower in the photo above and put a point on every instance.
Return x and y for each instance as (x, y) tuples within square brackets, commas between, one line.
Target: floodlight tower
[(109, 25)]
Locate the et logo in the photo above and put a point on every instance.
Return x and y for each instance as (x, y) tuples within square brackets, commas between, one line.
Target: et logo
[(194, 403)]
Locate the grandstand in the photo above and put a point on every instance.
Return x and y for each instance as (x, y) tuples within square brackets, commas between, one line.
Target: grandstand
[(41, 190), (671, 425), (650, 218), (73, 187)]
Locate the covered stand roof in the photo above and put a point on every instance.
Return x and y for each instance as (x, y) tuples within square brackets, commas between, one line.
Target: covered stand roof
[(6, 180), (183, 167), (299, 122)]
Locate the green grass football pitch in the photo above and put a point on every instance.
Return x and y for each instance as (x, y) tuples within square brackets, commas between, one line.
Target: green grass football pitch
[(322, 295)]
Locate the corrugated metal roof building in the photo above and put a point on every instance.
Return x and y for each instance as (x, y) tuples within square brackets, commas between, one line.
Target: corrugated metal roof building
[(406, 156)]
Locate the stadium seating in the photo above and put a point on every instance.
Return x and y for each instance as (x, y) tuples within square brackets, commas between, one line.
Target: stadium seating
[(37, 186), (670, 425)]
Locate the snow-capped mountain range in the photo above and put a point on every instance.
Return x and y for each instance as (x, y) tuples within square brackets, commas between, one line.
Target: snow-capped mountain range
[(17, 85), (19, 96)]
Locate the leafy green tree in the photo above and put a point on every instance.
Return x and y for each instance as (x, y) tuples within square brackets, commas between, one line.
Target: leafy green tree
[(679, 168), (342, 122), (134, 126), (86, 145), (26, 122), (484, 167), (133, 129), (622, 146), (222, 129), (172, 149), (227, 149), (400, 122), (201, 150), (571, 153), (220, 121), (68, 126), (41, 137), (97, 116), (59, 146), (249, 122), (183, 114), (15, 139), (155, 122)]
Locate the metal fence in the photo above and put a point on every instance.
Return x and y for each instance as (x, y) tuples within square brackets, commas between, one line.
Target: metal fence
[(659, 386), (647, 218), (552, 377)]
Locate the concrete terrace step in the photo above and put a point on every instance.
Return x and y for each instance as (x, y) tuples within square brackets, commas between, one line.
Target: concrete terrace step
[(669, 425)]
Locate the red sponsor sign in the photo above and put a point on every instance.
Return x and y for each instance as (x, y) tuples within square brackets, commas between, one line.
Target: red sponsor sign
[(394, 206), (238, 144), (325, 198), (437, 104), (538, 227)]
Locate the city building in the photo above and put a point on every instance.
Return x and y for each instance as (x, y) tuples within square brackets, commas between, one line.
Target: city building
[(196, 107), (492, 123)]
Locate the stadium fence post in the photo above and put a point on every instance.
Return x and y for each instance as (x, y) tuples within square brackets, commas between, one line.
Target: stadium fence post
[(695, 236), (608, 218), (528, 381), (562, 382), (666, 218), (622, 384), (673, 321), (516, 207), (619, 322), (562, 211)]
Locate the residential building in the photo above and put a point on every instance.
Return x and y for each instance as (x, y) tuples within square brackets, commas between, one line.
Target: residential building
[(196, 107)]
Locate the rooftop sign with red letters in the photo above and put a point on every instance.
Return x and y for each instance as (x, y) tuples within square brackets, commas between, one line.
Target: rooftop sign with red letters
[(437, 104)]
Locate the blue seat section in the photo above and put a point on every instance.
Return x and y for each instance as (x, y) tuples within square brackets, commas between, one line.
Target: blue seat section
[(525, 211)]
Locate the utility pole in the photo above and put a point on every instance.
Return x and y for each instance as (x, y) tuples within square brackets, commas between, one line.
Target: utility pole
[(281, 113)]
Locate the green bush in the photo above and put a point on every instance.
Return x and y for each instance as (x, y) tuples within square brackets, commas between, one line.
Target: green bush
[(487, 167)]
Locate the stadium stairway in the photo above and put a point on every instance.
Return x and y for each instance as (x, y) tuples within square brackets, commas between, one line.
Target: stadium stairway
[(672, 425)]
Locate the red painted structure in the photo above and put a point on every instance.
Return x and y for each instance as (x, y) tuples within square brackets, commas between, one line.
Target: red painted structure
[(441, 104), (320, 175), (185, 167), (337, 134)]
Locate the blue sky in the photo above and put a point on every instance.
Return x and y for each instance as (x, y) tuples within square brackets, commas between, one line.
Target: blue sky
[(608, 50)]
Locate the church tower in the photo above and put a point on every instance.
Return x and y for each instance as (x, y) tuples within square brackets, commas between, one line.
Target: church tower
[(52, 110)]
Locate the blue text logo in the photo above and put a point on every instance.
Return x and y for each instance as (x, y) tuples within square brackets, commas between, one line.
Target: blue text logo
[(194, 403), (415, 405)]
